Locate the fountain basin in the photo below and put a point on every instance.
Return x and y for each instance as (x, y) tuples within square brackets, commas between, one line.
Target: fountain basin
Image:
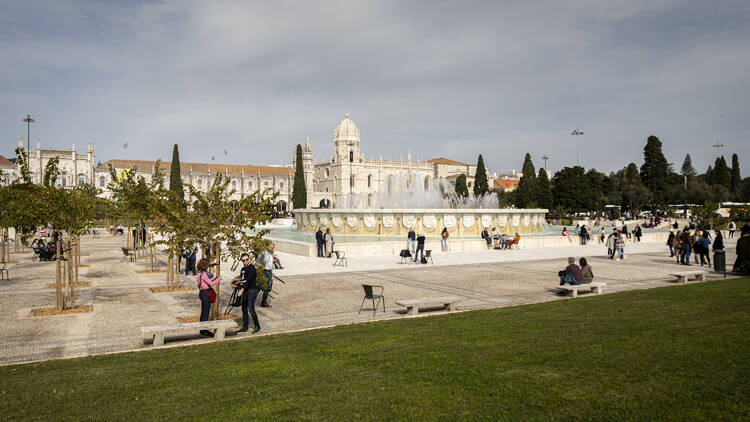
[(430, 221)]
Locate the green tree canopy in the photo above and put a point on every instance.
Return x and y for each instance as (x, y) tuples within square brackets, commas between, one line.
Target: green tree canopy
[(544, 191), (175, 179), (736, 180), (655, 169), (687, 169), (461, 189), (526, 193), (720, 175), (566, 190), (299, 191), (480, 178)]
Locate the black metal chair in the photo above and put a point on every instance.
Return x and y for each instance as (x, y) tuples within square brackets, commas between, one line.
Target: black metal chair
[(428, 255), (406, 256), (370, 295), (340, 259), (4, 272), (127, 254)]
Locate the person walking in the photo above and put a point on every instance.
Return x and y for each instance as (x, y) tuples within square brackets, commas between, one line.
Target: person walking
[(611, 244), (320, 241), (637, 233), (624, 232), (249, 293), (205, 284), (411, 240), (582, 233), (703, 246), (686, 246), (265, 258), (677, 246), (420, 247), (444, 239), (670, 241), (731, 227)]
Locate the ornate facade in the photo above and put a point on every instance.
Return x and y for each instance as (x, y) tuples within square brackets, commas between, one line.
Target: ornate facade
[(350, 172)]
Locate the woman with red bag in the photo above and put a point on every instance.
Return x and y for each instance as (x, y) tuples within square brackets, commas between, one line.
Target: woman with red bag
[(205, 286)]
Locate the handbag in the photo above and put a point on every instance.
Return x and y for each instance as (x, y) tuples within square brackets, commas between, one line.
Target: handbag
[(211, 293)]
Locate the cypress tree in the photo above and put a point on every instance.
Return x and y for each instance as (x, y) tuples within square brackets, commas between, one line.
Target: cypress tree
[(299, 191), (526, 193), (720, 176), (544, 191), (631, 174), (710, 175), (175, 180), (655, 169), (480, 178), (736, 181), (461, 189)]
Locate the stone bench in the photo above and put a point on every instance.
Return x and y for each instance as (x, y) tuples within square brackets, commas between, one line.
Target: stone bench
[(682, 277), (413, 305), (157, 332), (572, 290)]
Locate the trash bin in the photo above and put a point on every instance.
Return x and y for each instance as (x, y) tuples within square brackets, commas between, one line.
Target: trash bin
[(720, 261)]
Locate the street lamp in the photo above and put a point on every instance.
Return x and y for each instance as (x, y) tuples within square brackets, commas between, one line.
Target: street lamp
[(350, 144), (577, 133), (28, 120), (718, 146), (545, 158)]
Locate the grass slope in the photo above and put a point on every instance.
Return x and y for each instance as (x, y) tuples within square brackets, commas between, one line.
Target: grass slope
[(669, 353)]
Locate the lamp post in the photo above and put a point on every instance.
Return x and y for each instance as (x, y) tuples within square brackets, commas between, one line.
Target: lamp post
[(577, 133), (28, 120), (718, 146), (350, 144), (545, 158)]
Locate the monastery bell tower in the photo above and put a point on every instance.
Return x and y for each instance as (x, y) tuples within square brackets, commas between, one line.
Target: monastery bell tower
[(346, 141)]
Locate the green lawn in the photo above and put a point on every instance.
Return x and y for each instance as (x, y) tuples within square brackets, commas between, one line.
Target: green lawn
[(680, 352)]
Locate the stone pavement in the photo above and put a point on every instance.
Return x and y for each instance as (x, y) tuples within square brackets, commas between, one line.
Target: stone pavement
[(316, 293)]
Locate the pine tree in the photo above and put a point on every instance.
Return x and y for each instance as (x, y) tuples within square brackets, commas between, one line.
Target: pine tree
[(299, 191), (709, 175), (461, 189), (480, 178), (175, 179), (720, 176), (526, 194), (687, 167), (544, 190), (631, 174), (736, 181), (655, 169)]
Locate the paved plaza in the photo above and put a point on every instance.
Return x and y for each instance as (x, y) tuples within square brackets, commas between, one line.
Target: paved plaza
[(316, 294)]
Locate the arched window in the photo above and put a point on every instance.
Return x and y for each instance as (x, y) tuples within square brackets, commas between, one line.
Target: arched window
[(81, 180), (234, 184), (351, 156), (328, 173), (250, 185), (426, 182), (101, 181), (369, 180), (200, 184), (351, 181), (281, 186)]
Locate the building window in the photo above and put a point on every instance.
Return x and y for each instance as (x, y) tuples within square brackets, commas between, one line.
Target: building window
[(101, 181), (369, 180), (234, 184), (266, 184), (426, 182), (328, 173), (249, 185), (200, 184), (351, 156), (81, 180), (281, 186), (351, 181)]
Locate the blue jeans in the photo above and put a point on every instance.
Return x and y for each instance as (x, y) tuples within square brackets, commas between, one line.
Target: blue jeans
[(420, 247), (445, 244), (249, 305), (411, 244), (671, 250), (569, 279), (685, 258), (320, 250), (264, 300), (620, 253), (205, 305), (488, 240)]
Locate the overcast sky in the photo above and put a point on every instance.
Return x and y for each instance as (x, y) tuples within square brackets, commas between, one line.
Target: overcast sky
[(444, 79)]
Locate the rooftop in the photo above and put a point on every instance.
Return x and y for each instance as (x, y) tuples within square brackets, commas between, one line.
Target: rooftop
[(442, 160), (147, 165)]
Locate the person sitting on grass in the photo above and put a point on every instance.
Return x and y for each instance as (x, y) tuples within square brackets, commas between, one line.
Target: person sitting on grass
[(571, 274)]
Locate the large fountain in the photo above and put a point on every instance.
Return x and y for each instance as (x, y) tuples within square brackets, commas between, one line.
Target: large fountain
[(403, 205)]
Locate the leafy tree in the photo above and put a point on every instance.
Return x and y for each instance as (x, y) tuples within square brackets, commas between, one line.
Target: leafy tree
[(299, 192), (720, 176), (596, 185), (745, 192), (461, 189), (480, 178), (708, 177), (736, 180), (175, 179), (526, 193), (544, 191), (566, 190), (631, 174), (655, 169), (687, 169)]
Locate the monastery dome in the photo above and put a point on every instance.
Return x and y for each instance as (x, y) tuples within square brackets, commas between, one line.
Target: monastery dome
[(347, 130)]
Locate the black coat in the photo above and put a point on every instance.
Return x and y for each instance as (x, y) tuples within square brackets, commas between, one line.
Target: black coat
[(319, 237), (249, 275)]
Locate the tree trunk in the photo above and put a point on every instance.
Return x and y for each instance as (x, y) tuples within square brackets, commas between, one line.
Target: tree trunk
[(169, 272), (71, 263), (215, 305), (58, 281)]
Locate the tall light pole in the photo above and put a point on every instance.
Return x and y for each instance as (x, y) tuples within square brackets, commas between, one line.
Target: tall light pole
[(718, 146), (577, 133), (350, 144), (28, 120), (545, 158)]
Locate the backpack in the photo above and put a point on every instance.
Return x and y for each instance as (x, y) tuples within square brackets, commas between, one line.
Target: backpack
[(423, 260)]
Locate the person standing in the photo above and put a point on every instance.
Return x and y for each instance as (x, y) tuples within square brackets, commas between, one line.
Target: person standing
[(624, 232), (321, 242), (670, 241), (731, 227), (329, 242), (249, 293), (411, 240), (266, 259), (703, 248), (205, 284), (420, 247), (677, 246), (611, 244), (638, 233), (444, 239), (620, 246), (718, 242), (685, 245)]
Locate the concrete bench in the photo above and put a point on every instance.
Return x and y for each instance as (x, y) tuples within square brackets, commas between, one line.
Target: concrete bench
[(682, 277), (413, 305), (157, 332), (572, 290)]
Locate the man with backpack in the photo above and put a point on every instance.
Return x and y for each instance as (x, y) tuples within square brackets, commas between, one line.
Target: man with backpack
[(249, 293), (420, 247)]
